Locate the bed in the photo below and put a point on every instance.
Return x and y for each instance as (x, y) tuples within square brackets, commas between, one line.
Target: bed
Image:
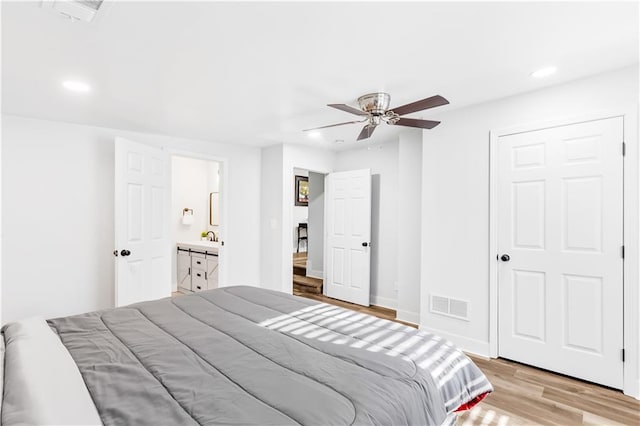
[(232, 356)]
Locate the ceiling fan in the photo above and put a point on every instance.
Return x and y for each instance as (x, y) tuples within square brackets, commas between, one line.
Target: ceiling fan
[(374, 107)]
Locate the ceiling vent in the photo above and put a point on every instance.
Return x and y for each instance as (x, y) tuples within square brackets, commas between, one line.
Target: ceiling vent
[(76, 10)]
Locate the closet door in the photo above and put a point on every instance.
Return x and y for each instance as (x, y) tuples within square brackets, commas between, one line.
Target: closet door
[(560, 249)]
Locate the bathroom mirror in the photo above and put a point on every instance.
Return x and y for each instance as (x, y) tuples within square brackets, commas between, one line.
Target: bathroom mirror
[(214, 209)]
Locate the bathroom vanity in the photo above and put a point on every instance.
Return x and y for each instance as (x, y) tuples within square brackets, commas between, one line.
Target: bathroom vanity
[(197, 266)]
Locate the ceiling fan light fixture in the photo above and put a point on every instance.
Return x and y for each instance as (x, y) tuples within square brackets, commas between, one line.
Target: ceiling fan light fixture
[(375, 103)]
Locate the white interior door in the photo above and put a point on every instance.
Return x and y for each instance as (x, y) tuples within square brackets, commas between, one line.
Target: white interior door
[(348, 243), (560, 222), (143, 257)]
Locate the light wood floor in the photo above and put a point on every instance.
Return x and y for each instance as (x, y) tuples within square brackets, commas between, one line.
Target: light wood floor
[(529, 396)]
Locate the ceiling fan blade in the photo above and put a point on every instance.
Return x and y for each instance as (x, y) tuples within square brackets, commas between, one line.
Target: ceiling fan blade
[(432, 102), (334, 125), (366, 132), (347, 108), (414, 122)]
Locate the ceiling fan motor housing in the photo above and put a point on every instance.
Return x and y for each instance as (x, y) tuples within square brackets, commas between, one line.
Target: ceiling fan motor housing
[(375, 104)]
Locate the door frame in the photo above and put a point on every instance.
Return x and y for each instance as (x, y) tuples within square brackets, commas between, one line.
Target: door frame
[(224, 201), (287, 228), (631, 233)]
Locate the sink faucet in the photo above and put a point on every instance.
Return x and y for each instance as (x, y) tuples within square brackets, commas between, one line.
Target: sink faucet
[(212, 237)]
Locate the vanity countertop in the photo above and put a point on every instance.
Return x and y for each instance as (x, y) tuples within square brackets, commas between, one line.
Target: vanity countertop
[(208, 246)]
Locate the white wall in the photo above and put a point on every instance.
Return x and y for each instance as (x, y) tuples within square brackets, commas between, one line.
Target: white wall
[(383, 162), (190, 186), (271, 224), (315, 257), (300, 214), (455, 200), (409, 224), (58, 214)]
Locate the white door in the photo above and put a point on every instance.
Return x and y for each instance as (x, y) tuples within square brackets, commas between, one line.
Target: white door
[(143, 257), (560, 222), (348, 228)]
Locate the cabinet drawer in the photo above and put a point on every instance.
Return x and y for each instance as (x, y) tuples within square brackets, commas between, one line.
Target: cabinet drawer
[(198, 280), (198, 261)]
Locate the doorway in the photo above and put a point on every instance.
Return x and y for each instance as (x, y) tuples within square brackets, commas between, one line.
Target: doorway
[(308, 232), (196, 223), (559, 242)]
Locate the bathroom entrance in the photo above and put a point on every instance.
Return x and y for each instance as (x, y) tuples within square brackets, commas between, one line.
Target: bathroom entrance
[(196, 223)]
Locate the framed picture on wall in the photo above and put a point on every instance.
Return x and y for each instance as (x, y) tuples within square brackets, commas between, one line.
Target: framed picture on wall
[(302, 191)]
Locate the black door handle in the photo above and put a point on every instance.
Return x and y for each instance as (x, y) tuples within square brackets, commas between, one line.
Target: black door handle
[(125, 253), (365, 244), (505, 258)]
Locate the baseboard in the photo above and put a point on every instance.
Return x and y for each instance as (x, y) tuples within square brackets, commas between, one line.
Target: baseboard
[(476, 347), (633, 393), (315, 274), (384, 302), (407, 316)]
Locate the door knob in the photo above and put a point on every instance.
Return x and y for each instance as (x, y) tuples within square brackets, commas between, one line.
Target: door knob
[(505, 258), (125, 253), (365, 244)]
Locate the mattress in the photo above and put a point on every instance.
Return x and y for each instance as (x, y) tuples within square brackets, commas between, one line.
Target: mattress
[(235, 355)]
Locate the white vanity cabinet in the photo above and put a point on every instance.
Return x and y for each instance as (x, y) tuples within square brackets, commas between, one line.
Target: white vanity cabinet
[(184, 270), (197, 268)]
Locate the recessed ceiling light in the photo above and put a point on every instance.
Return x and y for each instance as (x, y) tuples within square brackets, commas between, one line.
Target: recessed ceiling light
[(76, 86), (314, 135), (544, 72)]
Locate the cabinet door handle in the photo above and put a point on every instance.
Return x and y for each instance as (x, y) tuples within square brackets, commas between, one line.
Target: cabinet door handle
[(189, 271), (198, 274), (205, 275), (199, 288)]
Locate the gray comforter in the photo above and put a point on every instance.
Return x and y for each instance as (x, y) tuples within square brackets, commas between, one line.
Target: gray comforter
[(242, 355)]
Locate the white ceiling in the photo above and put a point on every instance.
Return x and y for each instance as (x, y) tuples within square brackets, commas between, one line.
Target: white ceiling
[(259, 73)]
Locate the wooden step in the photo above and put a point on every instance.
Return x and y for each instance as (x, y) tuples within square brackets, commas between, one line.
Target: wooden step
[(307, 284), (300, 264)]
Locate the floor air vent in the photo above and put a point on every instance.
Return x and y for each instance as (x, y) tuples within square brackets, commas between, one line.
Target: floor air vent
[(449, 307)]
